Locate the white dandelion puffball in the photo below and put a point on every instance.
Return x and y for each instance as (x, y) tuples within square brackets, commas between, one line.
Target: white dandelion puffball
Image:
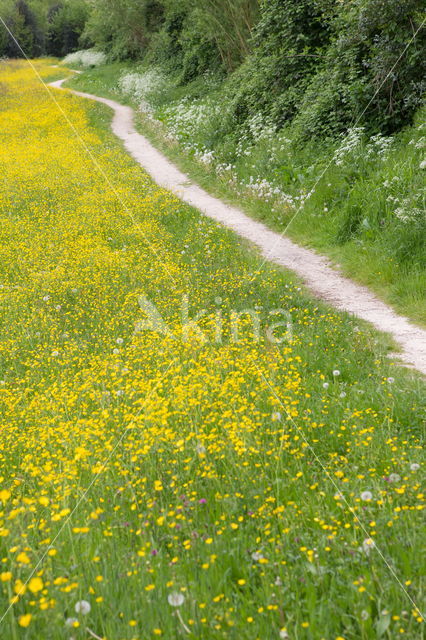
[(83, 607), (336, 373), (326, 385), (70, 622), (394, 477), (368, 545), (119, 341), (414, 466), (366, 496), (276, 416), (256, 556), (391, 380), (176, 599)]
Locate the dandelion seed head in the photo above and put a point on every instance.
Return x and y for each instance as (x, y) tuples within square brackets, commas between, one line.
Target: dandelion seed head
[(368, 545), (70, 622), (83, 607), (176, 599)]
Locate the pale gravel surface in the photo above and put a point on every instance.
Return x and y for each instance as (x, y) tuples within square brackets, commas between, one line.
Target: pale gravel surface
[(315, 270)]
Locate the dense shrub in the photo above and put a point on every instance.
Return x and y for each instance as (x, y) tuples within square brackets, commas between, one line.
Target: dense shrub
[(42, 27), (329, 64), (123, 28), (25, 26), (181, 47), (65, 26), (373, 72), (289, 43)]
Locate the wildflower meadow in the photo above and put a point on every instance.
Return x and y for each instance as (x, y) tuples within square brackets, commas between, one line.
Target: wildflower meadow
[(191, 445)]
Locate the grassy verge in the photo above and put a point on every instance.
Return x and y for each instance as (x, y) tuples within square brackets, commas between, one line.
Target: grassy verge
[(366, 212), (183, 482)]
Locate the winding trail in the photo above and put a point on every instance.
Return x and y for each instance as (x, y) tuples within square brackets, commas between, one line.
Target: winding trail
[(315, 270)]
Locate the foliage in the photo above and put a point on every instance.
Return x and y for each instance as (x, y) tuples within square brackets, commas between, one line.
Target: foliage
[(25, 26), (65, 26), (228, 23), (186, 35), (42, 27), (288, 45), (322, 64), (373, 72), (180, 47), (123, 29)]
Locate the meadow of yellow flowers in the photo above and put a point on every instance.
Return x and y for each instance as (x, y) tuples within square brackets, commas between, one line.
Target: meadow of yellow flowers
[(155, 484)]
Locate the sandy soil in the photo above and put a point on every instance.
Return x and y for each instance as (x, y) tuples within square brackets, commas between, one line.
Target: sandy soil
[(315, 270)]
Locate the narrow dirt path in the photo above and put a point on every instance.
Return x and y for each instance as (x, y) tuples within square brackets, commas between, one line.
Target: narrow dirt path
[(315, 270)]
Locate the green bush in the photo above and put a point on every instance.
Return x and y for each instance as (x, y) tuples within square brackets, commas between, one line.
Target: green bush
[(42, 27), (288, 44), (26, 27), (65, 25), (181, 48), (123, 28), (373, 73)]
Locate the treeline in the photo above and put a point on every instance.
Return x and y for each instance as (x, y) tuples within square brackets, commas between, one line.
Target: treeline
[(40, 27), (321, 64)]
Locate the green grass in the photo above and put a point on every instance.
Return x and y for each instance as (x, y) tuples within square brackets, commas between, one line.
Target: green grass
[(358, 230)]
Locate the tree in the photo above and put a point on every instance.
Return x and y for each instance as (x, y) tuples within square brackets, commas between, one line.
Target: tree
[(66, 23), (25, 28)]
